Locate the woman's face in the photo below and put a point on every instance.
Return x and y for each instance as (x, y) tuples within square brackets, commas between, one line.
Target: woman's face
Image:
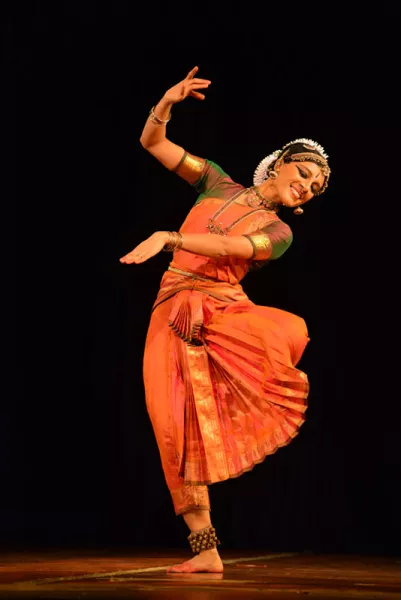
[(298, 182)]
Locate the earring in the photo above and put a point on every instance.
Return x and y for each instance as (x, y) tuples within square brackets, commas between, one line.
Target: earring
[(299, 211), (273, 174)]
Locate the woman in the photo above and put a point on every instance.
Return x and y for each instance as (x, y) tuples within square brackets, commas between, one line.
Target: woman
[(222, 390)]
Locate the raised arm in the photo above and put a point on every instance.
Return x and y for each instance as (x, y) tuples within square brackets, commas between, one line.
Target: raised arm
[(153, 136), (205, 244)]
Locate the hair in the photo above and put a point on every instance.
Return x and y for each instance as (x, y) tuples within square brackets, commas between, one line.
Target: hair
[(299, 149)]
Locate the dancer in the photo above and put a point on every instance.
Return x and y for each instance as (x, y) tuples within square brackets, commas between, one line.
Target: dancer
[(222, 387)]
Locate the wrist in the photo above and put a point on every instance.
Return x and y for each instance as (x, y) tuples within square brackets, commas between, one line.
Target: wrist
[(164, 103), (174, 241), (165, 236), (160, 114)]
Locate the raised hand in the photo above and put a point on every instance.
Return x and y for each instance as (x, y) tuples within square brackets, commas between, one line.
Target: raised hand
[(187, 87), (145, 250)]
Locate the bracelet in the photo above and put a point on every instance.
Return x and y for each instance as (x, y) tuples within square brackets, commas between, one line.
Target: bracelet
[(155, 120), (174, 243)]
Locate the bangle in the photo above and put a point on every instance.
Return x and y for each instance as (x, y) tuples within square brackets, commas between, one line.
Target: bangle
[(155, 120), (174, 243)]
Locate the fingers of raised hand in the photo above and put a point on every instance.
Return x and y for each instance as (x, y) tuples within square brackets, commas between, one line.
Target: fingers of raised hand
[(197, 81), (192, 72), (197, 95), (198, 86)]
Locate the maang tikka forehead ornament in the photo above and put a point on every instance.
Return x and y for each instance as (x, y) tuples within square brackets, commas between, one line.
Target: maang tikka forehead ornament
[(263, 168)]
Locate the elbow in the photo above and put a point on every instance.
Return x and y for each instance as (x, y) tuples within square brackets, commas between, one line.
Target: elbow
[(143, 143), (145, 140), (147, 145)]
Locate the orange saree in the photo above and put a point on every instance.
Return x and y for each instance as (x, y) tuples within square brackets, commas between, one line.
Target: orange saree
[(222, 387)]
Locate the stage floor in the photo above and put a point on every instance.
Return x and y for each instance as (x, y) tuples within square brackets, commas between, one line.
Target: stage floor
[(89, 575)]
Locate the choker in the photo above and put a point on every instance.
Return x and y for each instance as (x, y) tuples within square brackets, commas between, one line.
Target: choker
[(254, 198)]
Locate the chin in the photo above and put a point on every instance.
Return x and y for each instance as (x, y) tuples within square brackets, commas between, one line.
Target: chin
[(287, 199)]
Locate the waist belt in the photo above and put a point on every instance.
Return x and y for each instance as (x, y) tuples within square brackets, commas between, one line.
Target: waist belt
[(195, 275)]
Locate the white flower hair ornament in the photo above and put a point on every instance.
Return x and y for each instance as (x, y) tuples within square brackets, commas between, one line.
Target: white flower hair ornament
[(262, 170)]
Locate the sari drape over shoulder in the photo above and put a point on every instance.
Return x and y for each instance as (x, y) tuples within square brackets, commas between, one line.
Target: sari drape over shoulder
[(222, 387)]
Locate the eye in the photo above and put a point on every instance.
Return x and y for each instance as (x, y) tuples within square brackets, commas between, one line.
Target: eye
[(315, 188), (302, 173)]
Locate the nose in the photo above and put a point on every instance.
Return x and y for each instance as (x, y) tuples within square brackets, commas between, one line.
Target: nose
[(307, 188)]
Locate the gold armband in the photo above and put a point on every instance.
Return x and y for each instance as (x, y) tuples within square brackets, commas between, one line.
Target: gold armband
[(190, 167), (262, 247)]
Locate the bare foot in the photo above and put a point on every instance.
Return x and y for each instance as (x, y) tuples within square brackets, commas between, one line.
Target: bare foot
[(208, 561)]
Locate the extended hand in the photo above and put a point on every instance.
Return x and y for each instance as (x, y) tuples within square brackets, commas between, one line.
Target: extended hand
[(187, 87), (153, 245)]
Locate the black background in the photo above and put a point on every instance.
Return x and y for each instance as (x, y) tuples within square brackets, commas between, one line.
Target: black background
[(80, 466)]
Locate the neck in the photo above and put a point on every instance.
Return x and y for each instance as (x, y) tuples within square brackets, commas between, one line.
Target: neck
[(268, 191)]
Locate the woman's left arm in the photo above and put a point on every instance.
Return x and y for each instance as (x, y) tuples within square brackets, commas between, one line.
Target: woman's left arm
[(205, 244)]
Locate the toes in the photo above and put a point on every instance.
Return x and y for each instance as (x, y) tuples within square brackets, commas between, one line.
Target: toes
[(183, 568)]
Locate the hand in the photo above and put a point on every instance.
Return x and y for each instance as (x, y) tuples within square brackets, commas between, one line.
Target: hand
[(187, 87), (153, 245)]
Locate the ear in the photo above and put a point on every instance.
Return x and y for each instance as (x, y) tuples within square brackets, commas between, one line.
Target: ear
[(278, 165)]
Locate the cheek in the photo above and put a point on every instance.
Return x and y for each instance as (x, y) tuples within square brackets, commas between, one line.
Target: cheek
[(285, 181)]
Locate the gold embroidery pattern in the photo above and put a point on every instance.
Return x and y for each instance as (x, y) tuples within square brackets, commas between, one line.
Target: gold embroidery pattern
[(207, 461), (189, 497), (217, 227), (262, 247)]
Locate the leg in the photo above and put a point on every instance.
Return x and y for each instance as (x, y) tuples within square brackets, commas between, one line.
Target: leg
[(197, 519), (162, 381)]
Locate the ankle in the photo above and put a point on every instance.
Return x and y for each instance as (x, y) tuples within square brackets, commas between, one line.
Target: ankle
[(204, 539), (212, 552)]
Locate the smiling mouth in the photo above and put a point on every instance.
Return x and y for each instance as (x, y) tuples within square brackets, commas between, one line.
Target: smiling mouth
[(295, 193)]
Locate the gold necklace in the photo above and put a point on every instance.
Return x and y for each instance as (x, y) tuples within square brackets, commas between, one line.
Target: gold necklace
[(255, 198)]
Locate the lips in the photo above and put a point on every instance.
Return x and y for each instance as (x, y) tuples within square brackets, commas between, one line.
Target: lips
[(295, 192)]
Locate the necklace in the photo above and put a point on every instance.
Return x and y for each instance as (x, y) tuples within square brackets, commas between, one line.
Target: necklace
[(256, 201), (254, 198)]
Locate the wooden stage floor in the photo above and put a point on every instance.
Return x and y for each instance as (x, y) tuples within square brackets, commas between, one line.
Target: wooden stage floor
[(102, 574)]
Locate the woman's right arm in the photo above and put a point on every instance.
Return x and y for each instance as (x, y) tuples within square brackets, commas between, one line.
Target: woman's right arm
[(153, 137)]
